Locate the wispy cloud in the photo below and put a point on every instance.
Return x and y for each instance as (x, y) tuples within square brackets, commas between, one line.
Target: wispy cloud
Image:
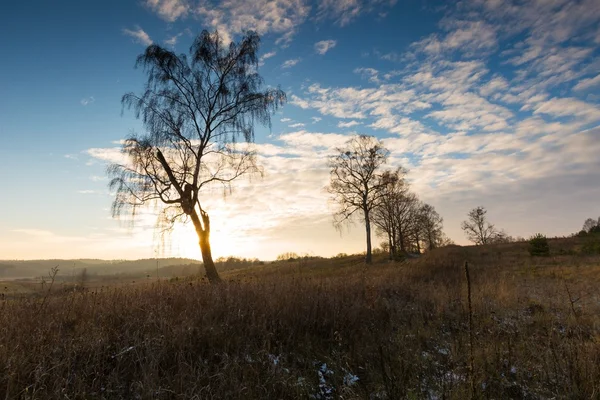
[(348, 124), (172, 41), (266, 56), (588, 83), (139, 36), (87, 100), (290, 63), (345, 11), (169, 10), (324, 46), (297, 125), (263, 16)]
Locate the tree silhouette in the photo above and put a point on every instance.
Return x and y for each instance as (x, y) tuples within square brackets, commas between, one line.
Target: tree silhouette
[(194, 110), (477, 227), (356, 183), (431, 224), (393, 210)]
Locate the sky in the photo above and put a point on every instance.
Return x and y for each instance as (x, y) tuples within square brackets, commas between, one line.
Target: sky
[(490, 103)]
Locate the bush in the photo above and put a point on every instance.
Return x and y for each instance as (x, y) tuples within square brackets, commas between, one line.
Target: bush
[(538, 245), (591, 246)]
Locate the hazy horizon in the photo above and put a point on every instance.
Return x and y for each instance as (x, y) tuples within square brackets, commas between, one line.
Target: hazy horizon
[(487, 103)]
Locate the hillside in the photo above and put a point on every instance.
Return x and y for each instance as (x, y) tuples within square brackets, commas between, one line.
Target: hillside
[(69, 268), (323, 329)]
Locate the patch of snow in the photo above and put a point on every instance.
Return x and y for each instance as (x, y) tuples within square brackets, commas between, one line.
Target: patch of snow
[(350, 379)]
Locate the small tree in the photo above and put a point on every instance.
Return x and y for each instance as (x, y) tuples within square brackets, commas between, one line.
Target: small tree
[(194, 110), (385, 213), (591, 225), (356, 183), (538, 245), (478, 229), (431, 224)]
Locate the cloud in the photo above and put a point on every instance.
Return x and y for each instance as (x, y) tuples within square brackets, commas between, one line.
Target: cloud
[(172, 41), (266, 56), (345, 11), (371, 74), (316, 119), (233, 17), (290, 63), (585, 84), (169, 10), (110, 155), (324, 46), (285, 119), (297, 125), (569, 107), (348, 124), (472, 38), (139, 36), (87, 100)]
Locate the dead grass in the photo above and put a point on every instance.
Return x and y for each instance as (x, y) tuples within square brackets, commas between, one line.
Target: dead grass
[(309, 329)]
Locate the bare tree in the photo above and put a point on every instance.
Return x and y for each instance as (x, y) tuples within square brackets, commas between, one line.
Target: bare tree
[(194, 110), (431, 224), (356, 183), (384, 213), (478, 229), (404, 218), (590, 224)]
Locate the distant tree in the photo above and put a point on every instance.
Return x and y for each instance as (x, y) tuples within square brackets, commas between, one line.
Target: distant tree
[(387, 213), (356, 182), (538, 245), (287, 256), (83, 278), (194, 110), (406, 224), (502, 237), (478, 229), (431, 224), (591, 225)]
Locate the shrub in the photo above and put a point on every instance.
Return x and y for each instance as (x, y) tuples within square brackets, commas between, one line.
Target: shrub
[(538, 245), (591, 246)]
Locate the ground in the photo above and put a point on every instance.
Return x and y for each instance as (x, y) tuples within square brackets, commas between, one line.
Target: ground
[(320, 328)]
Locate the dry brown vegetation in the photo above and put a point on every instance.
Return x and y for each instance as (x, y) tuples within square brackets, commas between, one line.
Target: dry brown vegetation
[(321, 329)]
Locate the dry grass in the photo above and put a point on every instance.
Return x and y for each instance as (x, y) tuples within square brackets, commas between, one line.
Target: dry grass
[(401, 329)]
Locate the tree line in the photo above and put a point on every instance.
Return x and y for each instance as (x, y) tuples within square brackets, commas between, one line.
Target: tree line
[(361, 187)]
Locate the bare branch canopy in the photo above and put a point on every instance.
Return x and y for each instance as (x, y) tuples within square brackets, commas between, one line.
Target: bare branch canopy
[(195, 109)]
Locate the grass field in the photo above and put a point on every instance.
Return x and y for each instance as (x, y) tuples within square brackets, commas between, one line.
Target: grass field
[(321, 329)]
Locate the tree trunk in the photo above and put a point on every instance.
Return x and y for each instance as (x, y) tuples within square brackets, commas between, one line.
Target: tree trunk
[(203, 233), (209, 264), (401, 239), (369, 258)]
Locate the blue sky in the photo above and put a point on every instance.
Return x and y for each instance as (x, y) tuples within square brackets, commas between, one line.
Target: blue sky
[(486, 102)]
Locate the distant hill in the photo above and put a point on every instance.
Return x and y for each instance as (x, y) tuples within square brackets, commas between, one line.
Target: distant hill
[(36, 268)]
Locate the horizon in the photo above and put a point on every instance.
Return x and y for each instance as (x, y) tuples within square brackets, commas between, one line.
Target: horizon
[(481, 112)]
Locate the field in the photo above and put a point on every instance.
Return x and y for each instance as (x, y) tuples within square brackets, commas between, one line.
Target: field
[(321, 329)]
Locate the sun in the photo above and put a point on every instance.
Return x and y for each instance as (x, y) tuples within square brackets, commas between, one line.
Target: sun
[(183, 242)]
